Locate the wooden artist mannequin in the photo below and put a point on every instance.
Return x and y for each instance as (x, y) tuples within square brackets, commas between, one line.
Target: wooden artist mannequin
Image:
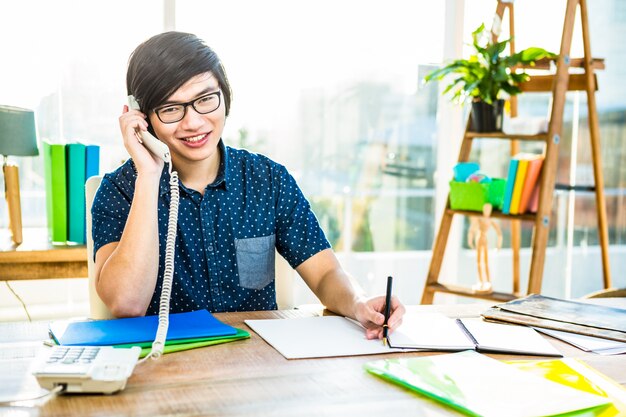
[(477, 238)]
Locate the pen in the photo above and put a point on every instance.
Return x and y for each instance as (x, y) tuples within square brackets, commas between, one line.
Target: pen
[(387, 310)]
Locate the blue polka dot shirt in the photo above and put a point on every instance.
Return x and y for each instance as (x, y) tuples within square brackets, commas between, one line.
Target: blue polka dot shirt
[(226, 239)]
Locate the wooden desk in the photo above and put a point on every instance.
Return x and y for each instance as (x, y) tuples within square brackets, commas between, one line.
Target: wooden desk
[(250, 378), (37, 258)]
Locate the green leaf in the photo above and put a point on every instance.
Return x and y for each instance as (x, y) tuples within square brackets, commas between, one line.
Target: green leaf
[(520, 77), (533, 54), (486, 73), (454, 84), (510, 89), (478, 31), (501, 46)]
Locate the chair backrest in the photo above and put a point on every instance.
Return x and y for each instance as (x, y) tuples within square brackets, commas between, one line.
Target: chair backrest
[(284, 276), (98, 310)]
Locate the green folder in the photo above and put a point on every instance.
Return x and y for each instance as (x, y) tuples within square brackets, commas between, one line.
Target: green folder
[(186, 344), (76, 221), (56, 191), (477, 385), (186, 330), (172, 346)]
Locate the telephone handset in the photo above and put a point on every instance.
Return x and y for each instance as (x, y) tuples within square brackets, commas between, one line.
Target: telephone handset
[(155, 146), (161, 150)]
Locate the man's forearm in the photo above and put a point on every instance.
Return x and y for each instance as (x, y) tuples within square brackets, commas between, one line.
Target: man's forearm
[(339, 293), (128, 277)]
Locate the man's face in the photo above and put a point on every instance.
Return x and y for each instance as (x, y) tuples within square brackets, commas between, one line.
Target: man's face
[(194, 138)]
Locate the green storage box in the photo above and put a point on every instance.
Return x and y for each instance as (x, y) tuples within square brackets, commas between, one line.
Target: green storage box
[(474, 195)]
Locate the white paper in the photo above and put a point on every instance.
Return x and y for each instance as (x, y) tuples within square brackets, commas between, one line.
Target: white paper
[(316, 337), (430, 331), (434, 331), (587, 343), (495, 337)]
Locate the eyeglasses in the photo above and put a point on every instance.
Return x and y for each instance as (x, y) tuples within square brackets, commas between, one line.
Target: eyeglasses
[(173, 113)]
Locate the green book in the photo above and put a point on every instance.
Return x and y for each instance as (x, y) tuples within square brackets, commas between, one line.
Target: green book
[(56, 191), (76, 221)]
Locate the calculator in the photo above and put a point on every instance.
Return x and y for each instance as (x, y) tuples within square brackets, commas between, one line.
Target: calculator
[(85, 369)]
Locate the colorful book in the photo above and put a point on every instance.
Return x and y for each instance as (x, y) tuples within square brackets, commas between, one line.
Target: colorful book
[(76, 221), (532, 176), (56, 191), (520, 176), (510, 183), (533, 203), (92, 161)]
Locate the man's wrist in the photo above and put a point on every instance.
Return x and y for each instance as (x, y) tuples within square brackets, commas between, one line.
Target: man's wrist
[(360, 303)]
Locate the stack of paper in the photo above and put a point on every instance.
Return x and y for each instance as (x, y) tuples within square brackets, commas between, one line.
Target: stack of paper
[(588, 343), (186, 331), (564, 315)]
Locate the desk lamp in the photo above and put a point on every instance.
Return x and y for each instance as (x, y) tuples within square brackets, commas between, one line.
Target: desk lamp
[(18, 138)]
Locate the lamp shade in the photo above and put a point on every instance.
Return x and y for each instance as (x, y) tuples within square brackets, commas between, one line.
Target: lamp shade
[(18, 136)]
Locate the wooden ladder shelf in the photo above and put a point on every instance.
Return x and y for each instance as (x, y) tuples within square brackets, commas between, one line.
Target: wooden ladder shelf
[(558, 84)]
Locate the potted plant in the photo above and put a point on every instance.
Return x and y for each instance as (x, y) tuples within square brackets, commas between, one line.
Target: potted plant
[(486, 77)]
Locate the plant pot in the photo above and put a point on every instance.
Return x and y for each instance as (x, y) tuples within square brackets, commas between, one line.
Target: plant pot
[(487, 117)]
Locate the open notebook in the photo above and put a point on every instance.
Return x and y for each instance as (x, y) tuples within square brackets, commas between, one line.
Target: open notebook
[(434, 331), (314, 337)]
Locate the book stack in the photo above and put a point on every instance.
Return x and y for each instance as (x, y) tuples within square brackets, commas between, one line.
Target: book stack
[(521, 193), (67, 167)]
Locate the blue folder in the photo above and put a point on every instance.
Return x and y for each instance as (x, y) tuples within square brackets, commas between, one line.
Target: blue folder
[(194, 324)]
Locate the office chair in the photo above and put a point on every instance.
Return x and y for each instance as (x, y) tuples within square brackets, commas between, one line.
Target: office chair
[(97, 309)]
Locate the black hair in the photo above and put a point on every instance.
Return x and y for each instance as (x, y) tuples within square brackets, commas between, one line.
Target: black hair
[(162, 64)]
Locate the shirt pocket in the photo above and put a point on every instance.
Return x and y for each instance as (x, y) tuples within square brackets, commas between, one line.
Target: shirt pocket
[(255, 261)]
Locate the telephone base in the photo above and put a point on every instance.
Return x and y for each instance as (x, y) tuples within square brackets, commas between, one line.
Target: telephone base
[(86, 369)]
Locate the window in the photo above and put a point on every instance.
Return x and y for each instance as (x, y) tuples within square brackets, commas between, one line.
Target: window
[(66, 60), (346, 113)]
